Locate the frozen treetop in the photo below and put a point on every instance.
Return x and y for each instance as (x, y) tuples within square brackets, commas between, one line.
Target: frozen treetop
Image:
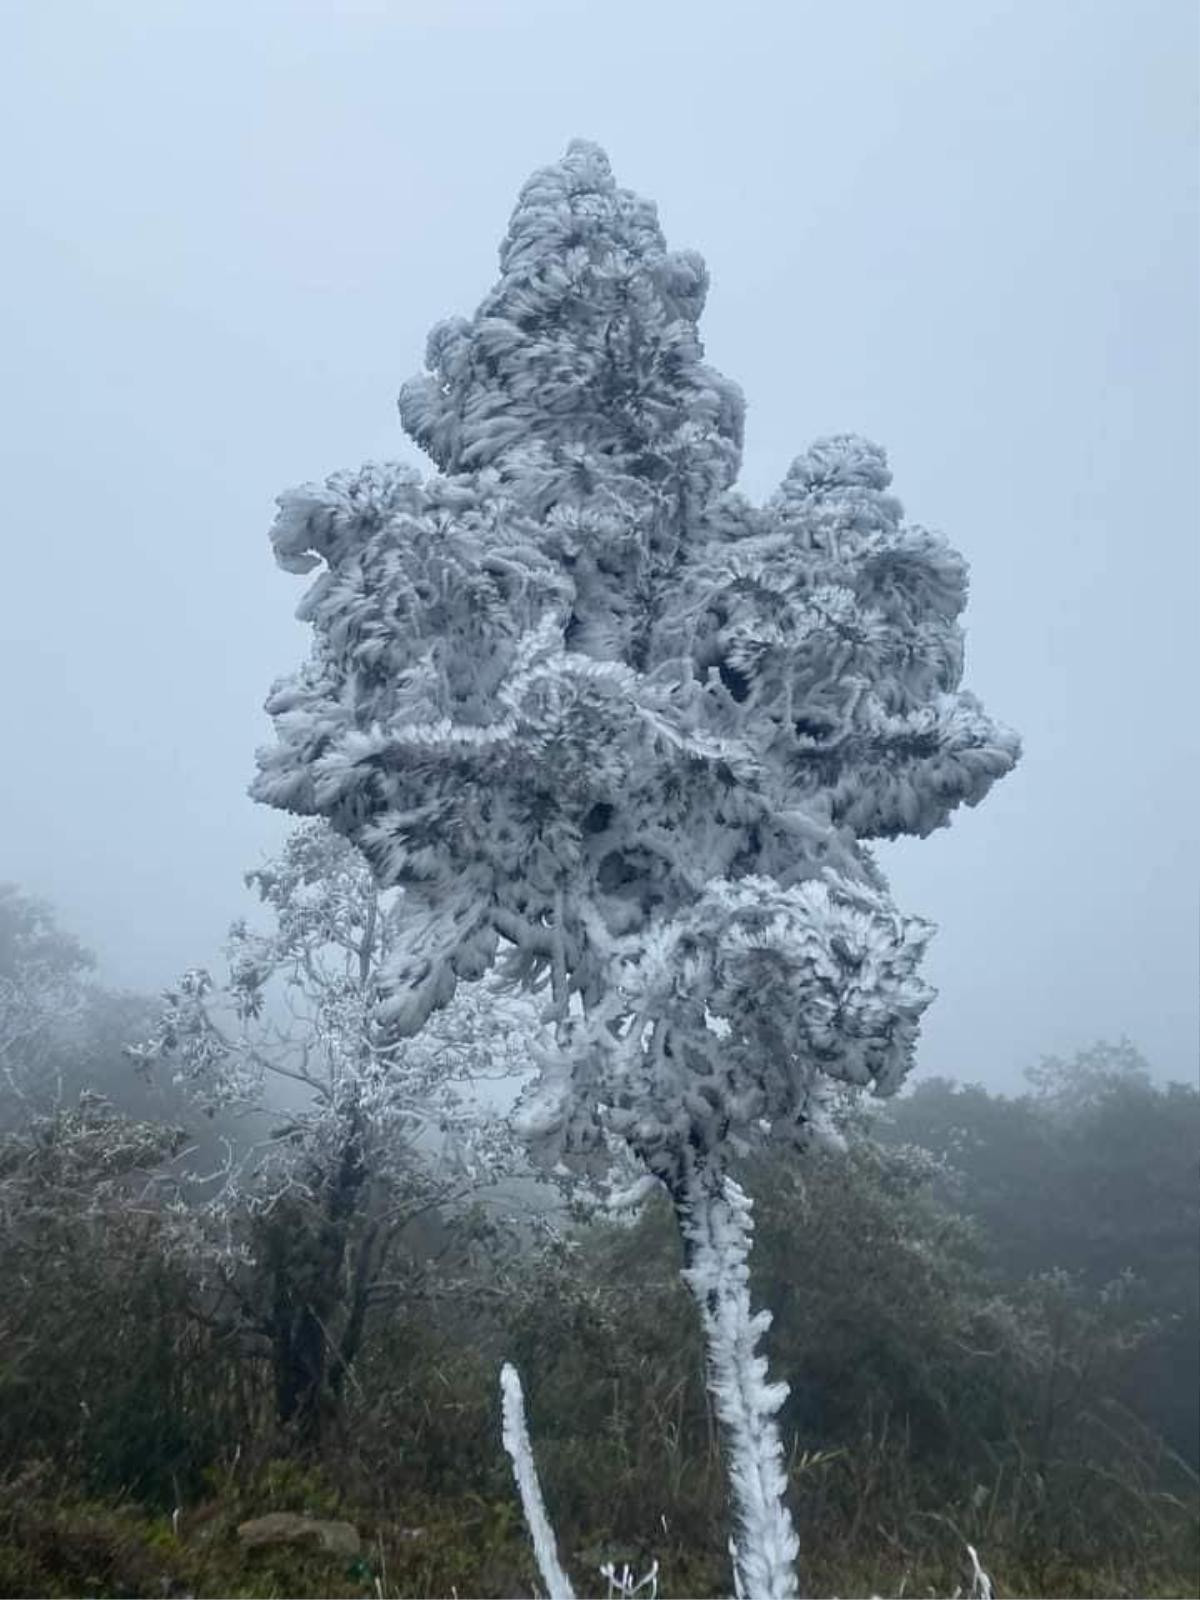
[(588, 341), (612, 725)]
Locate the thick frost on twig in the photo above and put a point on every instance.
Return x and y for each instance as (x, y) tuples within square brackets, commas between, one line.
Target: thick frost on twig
[(516, 1442), (981, 1583), (717, 1231), (625, 1585)]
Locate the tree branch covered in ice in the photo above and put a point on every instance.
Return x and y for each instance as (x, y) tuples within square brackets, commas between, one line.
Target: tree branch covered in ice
[(624, 736)]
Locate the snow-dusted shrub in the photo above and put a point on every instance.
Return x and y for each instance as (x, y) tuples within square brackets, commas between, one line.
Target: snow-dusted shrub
[(625, 735)]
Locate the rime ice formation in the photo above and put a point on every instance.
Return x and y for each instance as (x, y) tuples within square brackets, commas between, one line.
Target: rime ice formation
[(618, 731), (516, 1441)]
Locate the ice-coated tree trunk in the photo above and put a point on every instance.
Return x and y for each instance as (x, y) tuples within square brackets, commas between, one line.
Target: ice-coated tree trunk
[(714, 1215)]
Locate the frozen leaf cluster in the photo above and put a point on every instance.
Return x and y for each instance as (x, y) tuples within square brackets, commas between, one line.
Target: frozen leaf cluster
[(85, 1156)]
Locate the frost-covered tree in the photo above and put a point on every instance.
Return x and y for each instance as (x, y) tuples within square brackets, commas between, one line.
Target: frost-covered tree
[(626, 736), (370, 1134), (44, 988)]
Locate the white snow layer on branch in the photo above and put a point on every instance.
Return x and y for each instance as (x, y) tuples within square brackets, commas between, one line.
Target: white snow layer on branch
[(516, 1442)]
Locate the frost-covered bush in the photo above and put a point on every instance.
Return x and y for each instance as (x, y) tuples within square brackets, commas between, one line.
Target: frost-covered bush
[(622, 734)]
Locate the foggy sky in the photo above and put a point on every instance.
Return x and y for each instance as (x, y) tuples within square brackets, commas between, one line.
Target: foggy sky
[(968, 231)]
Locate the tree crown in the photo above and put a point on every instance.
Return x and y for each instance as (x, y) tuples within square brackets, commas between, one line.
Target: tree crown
[(583, 700)]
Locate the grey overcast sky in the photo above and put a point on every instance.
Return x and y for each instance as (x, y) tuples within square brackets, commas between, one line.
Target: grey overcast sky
[(966, 228)]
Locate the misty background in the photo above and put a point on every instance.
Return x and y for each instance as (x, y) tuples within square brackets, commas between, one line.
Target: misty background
[(969, 232)]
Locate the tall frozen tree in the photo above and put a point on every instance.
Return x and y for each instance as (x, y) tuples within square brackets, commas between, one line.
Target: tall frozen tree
[(626, 736)]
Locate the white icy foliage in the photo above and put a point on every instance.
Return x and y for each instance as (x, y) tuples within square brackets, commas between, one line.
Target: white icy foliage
[(297, 1019), (622, 734), (674, 1058)]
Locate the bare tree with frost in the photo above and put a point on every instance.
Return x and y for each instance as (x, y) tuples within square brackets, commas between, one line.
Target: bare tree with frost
[(625, 737), (369, 1134)]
